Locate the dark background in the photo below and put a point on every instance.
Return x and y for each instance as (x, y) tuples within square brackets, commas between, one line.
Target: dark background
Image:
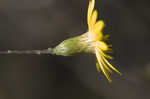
[(39, 24)]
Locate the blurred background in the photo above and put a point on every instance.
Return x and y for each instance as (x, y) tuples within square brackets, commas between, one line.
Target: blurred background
[(39, 24)]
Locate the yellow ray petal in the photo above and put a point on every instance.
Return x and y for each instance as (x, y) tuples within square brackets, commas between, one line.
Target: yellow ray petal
[(90, 10), (94, 17), (98, 27), (101, 66), (103, 63), (111, 66), (105, 66), (97, 66)]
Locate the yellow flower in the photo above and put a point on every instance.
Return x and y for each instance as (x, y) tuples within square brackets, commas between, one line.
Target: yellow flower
[(90, 42), (95, 36)]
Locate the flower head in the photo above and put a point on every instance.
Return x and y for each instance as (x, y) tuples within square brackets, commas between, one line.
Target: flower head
[(90, 42), (96, 38)]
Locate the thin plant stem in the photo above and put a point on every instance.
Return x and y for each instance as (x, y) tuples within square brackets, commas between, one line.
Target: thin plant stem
[(37, 52)]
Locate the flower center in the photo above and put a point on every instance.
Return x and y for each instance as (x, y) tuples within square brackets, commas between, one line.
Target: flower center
[(94, 36), (96, 42)]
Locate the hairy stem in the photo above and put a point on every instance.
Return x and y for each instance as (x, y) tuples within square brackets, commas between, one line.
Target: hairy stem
[(37, 52)]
